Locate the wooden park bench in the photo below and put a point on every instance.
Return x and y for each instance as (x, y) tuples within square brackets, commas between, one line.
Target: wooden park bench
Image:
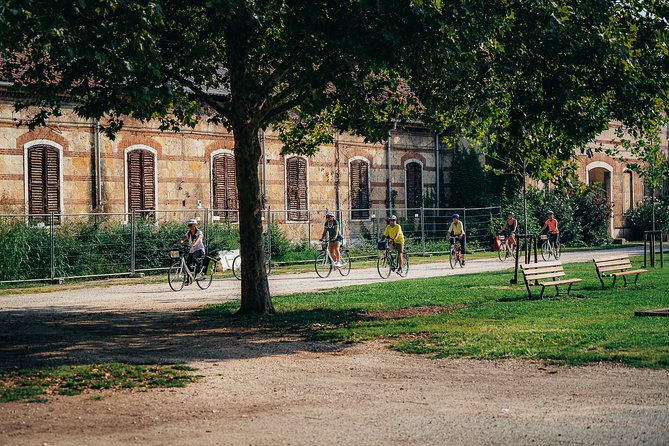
[(546, 274), (615, 267)]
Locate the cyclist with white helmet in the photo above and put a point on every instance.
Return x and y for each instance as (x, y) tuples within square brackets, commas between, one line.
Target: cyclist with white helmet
[(510, 229), (335, 239), (196, 252), (393, 232), (457, 229)]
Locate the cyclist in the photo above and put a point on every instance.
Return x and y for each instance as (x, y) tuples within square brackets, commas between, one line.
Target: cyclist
[(510, 229), (196, 252), (551, 228), (457, 230), (393, 232), (334, 237)]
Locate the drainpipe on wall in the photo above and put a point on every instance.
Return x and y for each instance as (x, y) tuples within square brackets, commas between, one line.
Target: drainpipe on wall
[(98, 168), (389, 180), (437, 156), (337, 176), (264, 170)]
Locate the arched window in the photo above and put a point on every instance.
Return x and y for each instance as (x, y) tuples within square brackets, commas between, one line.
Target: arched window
[(141, 180), (414, 185), (224, 176), (296, 188), (359, 176), (44, 188)]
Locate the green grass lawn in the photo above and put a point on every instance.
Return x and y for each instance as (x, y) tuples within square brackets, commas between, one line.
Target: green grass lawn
[(481, 316)]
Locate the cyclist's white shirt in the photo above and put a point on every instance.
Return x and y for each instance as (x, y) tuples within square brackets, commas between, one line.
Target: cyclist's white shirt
[(191, 238)]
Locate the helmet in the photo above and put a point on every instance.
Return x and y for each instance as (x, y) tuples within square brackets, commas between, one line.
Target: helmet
[(392, 217), (192, 221), (329, 214), (551, 213), (455, 216), (510, 213)]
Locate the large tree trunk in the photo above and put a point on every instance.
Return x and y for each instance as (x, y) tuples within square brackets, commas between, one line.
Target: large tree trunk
[(255, 288)]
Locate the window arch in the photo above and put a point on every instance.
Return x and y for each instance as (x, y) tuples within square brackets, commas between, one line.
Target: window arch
[(44, 174), (141, 179), (225, 199), (297, 201), (414, 184), (359, 187)]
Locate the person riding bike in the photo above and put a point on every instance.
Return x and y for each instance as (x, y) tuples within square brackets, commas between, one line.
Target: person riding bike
[(393, 232), (335, 239), (196, 252), (550, 227), (510, 229), (457, 230)]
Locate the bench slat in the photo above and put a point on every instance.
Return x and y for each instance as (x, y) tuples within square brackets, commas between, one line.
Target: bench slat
[(614, 268), (543, 276), (532, 266), (611, 258), (560, 282), (612, 262), (544, 271), (627, 273)]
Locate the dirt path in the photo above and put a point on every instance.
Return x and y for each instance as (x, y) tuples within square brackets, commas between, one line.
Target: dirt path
[(266, 387)]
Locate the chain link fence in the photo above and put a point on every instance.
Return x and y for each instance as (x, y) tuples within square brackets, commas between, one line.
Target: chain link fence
[(55, 247)]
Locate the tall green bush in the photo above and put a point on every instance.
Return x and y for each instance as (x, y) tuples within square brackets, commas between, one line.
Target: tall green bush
[(641, 218)]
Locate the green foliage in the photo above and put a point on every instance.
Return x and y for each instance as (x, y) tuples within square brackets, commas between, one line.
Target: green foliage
[(73, 380), (641, 218)]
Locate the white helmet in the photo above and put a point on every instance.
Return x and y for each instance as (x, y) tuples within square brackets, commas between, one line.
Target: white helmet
[(192, 221)]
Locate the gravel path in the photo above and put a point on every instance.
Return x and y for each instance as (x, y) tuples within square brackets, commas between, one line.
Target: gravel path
[(261, 387)]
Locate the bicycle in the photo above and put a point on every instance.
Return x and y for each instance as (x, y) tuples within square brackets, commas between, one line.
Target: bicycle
[(180, 274), (505, 251), (549, 250), (323, 263), (237, 264), (388, 262), (455, 255)]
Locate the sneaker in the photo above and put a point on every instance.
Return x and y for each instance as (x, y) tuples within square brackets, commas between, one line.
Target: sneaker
[(463, 262), (337, 265)]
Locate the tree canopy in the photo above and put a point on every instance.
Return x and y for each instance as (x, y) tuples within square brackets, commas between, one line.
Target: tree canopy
[(529, 79)]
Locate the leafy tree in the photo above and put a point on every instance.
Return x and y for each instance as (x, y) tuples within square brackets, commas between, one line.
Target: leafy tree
[(544, 77)]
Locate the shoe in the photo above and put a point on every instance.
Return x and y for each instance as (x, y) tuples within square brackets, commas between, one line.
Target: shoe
[(463, 262), (399, 271), (337, 265)]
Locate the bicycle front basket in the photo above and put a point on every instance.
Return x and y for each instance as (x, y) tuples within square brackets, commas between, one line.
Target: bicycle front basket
[(174, 254), (544, 237), (382, 245), (501, 237)]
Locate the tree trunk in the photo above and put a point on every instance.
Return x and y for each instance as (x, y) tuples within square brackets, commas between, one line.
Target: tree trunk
[(255, 288)]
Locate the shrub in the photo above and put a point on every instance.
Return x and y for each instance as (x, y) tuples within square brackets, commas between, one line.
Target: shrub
[(641, 218)]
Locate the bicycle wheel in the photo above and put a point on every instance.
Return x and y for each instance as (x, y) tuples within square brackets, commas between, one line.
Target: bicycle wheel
[(176, 277), (268, 263), (405, 265), (546, 250), (322, 265), (345, 261), (204, 281), (451, 258), (502, 252), (384, 265), (237, 267)]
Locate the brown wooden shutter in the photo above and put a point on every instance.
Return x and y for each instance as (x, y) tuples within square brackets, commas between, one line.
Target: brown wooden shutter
[(44, 181), (414, 185), (297, 190), (141, 181), (225, 186), (359, 189)]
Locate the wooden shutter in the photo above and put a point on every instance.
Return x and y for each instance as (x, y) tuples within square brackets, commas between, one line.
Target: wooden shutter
[(225, 186), (359, 172), (141, 181), (296, 190), (43, 181), (414, 185)]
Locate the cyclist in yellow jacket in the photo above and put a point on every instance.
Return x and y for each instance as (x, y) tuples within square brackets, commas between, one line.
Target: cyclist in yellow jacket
[(394, 233), (457, 230)]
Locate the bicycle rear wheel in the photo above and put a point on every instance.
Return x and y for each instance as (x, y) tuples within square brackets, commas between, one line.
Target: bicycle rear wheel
[(176, 276), (268, 263), (237, 267), (345, 261), (405, 265), (451, 258), (322, 265), (384, 266), (502, 252)]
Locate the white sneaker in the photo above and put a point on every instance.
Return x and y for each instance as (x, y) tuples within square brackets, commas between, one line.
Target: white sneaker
[(337, 265)]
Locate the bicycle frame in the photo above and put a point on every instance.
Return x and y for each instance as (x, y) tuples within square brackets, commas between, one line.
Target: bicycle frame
[(328, 257)]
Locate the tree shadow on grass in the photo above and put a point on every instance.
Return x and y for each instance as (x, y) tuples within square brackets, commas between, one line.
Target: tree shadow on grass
[(38, 338)]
